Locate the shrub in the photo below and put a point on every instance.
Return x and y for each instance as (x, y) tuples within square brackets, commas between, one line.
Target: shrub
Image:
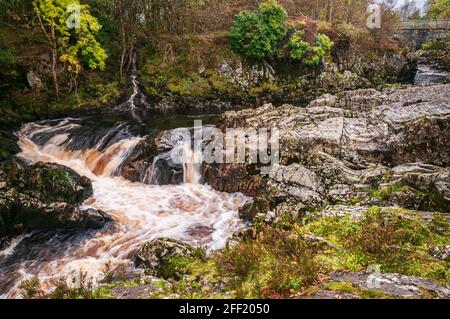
[(308, 54), (440, 9), (435, 45), (258, 34), (277, 264)]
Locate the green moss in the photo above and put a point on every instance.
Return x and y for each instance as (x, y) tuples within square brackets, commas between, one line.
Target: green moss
[(350, 288), (384, 193)]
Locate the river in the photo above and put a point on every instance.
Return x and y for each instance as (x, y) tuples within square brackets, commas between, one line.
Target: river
[(96, 147)]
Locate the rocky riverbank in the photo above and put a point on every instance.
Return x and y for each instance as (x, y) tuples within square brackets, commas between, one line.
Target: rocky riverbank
[(357, 208), (360, 197)]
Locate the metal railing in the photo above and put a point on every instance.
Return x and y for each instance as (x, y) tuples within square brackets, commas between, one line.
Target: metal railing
[(425, 25)]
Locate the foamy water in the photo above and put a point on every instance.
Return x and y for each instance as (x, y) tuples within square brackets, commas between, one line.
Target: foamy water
[(190, 212)]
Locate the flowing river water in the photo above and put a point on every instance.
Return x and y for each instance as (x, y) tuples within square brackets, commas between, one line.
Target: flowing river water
[(97, 147), (190, 211)]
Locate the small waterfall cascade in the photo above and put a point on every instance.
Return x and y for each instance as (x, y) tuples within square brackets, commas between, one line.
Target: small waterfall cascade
[(190, 211), (137, 99)]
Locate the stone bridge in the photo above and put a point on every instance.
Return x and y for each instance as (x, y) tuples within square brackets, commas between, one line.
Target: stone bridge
[(416, 32)]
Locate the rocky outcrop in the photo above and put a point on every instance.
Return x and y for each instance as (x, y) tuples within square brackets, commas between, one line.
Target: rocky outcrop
[(414, 39), (387, 148), (44, 196), (153, 254), (395, 284)]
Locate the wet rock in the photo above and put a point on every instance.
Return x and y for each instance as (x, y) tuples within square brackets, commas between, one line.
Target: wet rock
[(252, 208), (151, 255), (232, 178), (54, 183), (139, 160), (395, 284), (44, 196)]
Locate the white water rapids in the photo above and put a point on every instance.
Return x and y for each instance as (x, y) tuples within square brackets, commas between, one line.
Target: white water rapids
[(190, 212)]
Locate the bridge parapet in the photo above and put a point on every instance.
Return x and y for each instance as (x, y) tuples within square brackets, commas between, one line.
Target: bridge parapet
[(425, 25)]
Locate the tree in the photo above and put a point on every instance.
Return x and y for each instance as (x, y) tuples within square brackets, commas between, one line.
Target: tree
[(302, 50), (440, 9), (70, 31), (257, 34)]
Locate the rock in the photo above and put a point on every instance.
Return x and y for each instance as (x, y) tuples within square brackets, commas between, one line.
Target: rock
[(358, 212), (139, 161), (330, 294), (419, 186), (245, 233), (8, 142), (395, 284), (441, 253), (355, 212), (319, 240), (152, 254), (390, 66), (361, 126), (34, 81), (296, 181), (232, 178), (44, 196), (344, 146), (53, 183), (135, 292), (252, 208)]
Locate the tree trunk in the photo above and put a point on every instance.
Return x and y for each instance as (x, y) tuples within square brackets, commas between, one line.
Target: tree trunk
[(52, 41), (330, 11), (54, 71), (124, 51)]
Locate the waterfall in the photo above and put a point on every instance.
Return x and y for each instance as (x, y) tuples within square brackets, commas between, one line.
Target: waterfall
[(135, 83), (136, 95), (180, 151), (191, 164), (190, 212)]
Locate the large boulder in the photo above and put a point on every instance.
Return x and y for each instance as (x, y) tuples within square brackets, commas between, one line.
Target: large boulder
[(44, 196), (47, 182), (153, 254), (140, 160), (232, 177)]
